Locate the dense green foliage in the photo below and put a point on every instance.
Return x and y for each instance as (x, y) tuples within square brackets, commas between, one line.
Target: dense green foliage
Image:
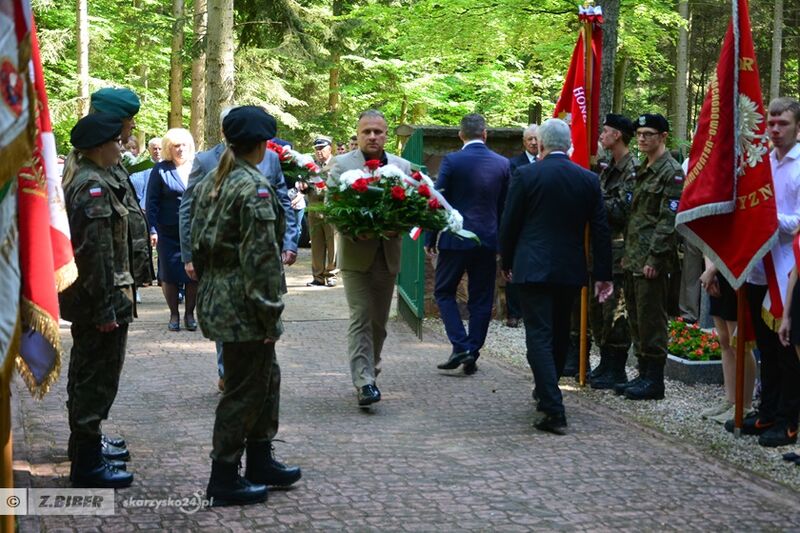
[(419, 61)]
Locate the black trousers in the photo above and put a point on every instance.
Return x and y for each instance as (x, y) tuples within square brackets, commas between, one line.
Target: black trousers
[(546, 310), (780, 367)]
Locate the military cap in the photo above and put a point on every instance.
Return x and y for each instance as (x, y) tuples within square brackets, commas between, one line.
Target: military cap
[(619, 122), (653, 120), (117, 101), (95, 129), (322, 142), (249, 124)]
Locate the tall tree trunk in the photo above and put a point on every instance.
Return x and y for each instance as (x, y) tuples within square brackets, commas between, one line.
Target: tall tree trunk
[(175, 119), (610, 31), (619, 83), (777, 41), (82, 31), (199, 73), (336, 55), (681, 104), (219, 66)]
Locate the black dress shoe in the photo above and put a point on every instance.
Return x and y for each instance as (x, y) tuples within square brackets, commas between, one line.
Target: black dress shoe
[(553, 424), (470, 368), (456, 360), (368, 395), (315, 283), (119, 442), (113, 452)]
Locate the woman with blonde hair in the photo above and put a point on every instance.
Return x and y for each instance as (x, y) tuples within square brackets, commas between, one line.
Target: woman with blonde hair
[(165, 188)]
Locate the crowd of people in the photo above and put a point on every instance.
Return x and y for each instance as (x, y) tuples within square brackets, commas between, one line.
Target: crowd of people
[(225, 224)]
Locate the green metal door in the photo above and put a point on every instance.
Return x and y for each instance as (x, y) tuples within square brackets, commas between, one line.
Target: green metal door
[(411, 279)]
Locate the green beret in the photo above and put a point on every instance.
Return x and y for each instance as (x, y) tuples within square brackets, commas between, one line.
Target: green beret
[(95, 129), (117, 101)]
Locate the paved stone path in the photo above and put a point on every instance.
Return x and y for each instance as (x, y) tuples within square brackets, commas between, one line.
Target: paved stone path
[(439, 453)]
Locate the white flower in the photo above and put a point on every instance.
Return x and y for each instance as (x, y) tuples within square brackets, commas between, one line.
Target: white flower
[(302, 160), (455, 222), (346, 179), (391, 171)]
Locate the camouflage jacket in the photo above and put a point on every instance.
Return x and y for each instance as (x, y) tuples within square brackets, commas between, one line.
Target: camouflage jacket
[(236, 254), (141, 259), (613, 179), (99, 224), (653, 197)]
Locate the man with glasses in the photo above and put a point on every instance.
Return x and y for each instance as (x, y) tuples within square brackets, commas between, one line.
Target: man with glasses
[(650, 254)]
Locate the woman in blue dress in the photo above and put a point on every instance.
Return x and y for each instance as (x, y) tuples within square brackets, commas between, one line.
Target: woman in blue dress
[(168, 181)]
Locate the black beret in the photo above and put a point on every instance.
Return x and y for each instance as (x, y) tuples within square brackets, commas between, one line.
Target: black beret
[(619, 122), (653, 120), (95, 129), (117, 101), (249, 123)]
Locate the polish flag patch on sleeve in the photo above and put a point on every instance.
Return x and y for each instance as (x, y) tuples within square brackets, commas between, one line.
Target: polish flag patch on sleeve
[(96, 192), (262, 192)]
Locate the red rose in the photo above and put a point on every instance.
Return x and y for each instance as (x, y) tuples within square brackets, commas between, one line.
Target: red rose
[(398, 193), (360, 185), (373, 164), (320, 185), (417, 175), (312, 167), (424, 191), (433, 203)]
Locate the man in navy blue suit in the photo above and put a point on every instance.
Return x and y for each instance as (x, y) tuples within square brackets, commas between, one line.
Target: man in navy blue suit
[(542, 250), (474, 181)]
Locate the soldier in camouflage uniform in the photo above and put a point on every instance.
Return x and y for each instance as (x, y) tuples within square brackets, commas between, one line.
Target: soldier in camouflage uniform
[(650, 255), (100, 303), (609, 320), (237, 225)]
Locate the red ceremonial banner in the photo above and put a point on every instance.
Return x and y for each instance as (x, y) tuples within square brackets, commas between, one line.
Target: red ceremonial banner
[(573, 104), (728, 205), (46, 260)]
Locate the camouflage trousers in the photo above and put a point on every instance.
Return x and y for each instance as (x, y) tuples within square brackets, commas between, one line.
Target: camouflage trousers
[(248, 409), (609, 320), (646, 300), (95, 365)]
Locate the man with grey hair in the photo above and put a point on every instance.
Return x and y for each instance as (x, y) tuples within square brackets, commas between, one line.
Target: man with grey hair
[(474, 181), (542, 250)]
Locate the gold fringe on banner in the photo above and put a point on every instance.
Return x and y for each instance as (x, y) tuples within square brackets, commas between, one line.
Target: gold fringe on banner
[(36, 318), (66, 275), (772, 323)]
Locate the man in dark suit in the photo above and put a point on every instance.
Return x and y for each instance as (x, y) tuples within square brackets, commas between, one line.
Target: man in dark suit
[(542, 249), (474, 180), (530, 144)]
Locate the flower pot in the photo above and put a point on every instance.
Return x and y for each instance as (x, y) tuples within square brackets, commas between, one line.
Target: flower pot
[(691, 372)]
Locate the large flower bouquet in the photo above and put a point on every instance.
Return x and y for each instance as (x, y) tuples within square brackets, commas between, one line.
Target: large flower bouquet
[(382, 201), (689, 341), (298, 167)]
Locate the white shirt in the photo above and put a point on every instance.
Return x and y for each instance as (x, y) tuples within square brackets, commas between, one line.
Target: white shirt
[(786, 180), (531, 157), (473, 141)]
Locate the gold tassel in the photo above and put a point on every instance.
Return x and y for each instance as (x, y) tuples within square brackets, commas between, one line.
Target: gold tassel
[(772, 323), (66, 275), (37, 319)]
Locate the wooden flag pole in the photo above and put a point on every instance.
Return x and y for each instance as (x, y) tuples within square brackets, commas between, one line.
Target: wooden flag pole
[(587, 76), (7, 457)]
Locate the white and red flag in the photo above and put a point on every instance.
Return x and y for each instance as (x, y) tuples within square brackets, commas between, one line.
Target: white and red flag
[(728, 204), (577, 100), (45, 251)]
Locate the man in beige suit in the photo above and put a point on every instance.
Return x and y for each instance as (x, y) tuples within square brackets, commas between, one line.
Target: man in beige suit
[(368, 265)]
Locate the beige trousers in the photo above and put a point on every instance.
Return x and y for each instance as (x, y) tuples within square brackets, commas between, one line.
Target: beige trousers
[(369, 297), (323, 248)]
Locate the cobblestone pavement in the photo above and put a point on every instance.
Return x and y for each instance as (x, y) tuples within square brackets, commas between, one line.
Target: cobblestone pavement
[(439, 452)]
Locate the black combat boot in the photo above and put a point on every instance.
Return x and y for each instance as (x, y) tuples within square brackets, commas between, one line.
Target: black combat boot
[(651, 387), (89, 469), (262, 467), (227, 487), (603, 367), (615, 370), (621, 387)]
